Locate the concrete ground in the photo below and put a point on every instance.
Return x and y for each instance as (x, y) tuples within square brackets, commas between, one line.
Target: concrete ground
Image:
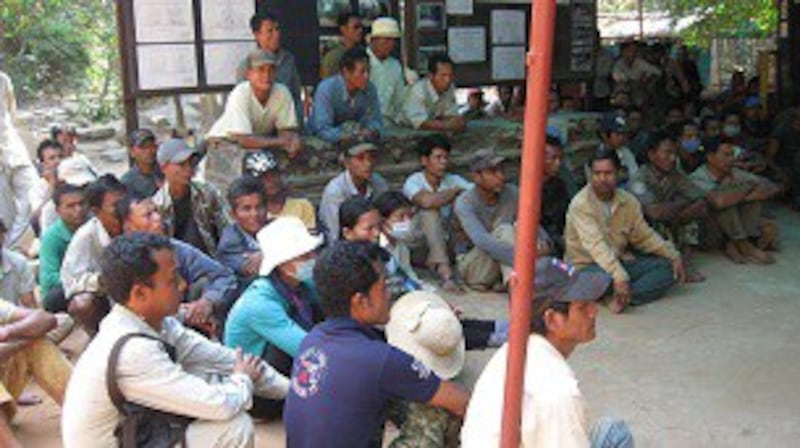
[(713, 364)]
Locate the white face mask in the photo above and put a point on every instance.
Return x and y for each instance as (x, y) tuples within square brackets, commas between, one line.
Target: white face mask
[(304, 271), (402, 231)]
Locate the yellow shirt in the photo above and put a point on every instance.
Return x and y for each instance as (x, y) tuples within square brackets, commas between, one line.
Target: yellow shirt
[(598, 232), (301, 208)]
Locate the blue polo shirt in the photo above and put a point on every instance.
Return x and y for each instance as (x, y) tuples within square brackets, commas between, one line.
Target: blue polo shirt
[(341, 382)]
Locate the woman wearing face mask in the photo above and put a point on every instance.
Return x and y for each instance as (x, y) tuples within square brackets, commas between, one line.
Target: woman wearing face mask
[(279, 307), (361, 220)]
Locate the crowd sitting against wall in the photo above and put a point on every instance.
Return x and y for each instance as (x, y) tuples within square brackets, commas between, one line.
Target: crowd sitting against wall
[(218, 306)]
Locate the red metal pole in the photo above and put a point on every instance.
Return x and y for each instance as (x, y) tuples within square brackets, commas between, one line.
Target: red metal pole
[(540, 55)]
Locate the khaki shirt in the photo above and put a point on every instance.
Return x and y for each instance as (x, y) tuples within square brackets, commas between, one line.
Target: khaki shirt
[(599, 233), (245, 115), (652, 187), (423, 103)]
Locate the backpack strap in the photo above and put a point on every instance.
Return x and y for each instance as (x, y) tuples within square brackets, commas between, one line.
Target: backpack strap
[(111, 369)]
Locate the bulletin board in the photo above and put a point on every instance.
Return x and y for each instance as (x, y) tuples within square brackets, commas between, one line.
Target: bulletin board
[(488, 40)]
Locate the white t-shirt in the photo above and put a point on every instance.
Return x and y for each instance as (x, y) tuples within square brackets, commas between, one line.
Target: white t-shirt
[(553, 409), (244, 114), (417, 182)]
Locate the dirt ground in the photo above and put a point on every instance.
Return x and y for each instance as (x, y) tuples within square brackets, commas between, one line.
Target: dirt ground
[(713, 364)]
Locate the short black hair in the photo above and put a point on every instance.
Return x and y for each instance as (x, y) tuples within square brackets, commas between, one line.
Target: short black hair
[(97, 190), (538, 325), (657, 137), (58, 129), (47, 143), (344, 17), (65, 189), (552, 140), (603, 153), (345, 269), (352, 209), (245, 186), (353, 56), (130, 260), (428, 143), (708, 119), (261, 17), (712, 145), (437, 58), (390, 201)]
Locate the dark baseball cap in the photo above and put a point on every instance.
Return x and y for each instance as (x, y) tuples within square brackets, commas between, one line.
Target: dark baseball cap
[(174, 150), (485, 158), (142, 136), (614, 122), (558, 281)]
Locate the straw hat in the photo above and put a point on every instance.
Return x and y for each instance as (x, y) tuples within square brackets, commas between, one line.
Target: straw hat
[(423, 325), (283, 239)]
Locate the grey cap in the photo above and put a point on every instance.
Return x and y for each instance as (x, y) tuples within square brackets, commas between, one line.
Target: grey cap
[(174, 150), (558, 281), (257, 58), (485, 158), (360, 148)]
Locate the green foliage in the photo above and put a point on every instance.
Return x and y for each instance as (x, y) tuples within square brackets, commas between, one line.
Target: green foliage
[(725, 18), (63, 48)]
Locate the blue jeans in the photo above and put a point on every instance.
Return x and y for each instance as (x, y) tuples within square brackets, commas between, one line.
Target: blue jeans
[(611, 433), (650, 278)]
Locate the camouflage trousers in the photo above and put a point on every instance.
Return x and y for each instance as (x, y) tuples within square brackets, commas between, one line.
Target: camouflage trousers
[(426, 427)]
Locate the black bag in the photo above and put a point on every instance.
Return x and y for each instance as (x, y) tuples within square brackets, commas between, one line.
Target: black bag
[(142, 426)]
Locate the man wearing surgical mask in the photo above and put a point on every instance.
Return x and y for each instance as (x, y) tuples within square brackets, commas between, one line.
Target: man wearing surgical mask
[(690, 148), (276, 311)]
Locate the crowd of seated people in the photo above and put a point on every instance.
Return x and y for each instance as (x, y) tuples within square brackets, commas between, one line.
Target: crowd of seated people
[(219, 306)]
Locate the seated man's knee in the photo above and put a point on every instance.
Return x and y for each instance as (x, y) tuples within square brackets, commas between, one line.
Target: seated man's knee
[(238, 432)]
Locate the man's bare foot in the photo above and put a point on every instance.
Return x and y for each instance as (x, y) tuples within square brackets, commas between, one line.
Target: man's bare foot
[(733, 253), (617, 304), (754, 254), (694, 276), (450, 285)]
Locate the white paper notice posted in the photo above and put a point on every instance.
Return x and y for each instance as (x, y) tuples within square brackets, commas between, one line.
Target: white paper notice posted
[(466, 44), (508, 26), (508, 63), (460, 7), (163, 21), (227, 19), (166, 66), (222, 59)]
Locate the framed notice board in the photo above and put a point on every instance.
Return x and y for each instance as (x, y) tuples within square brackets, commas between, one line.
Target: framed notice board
[(488, 40)]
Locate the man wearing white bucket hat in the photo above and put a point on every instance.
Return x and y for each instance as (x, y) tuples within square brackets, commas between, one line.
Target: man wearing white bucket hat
[(423, 325), (385, 71), (278, 309), (554, 411), (345, 375)]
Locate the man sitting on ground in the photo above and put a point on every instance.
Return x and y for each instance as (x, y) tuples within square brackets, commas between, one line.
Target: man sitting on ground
[(604, 223), (615, 128), (212, 287), (434, 190), (352, 33), (358, 179), (736, 198), (49, 155), (342, 354), (70, 202), (555, 194), (25, 354), (346, 106), (81, 266), (385, 71), (238, 248), (670, 201), (193, 212), (486, 213), (430, 104), (201, 380), (279, 308), (264, 166), (72, 171), (554, 412), (17, 281), (144, 177), (259, 112)]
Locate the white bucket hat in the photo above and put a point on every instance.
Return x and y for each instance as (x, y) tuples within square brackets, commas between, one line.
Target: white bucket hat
[(385, 27), (283, 239), (423, 325)]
